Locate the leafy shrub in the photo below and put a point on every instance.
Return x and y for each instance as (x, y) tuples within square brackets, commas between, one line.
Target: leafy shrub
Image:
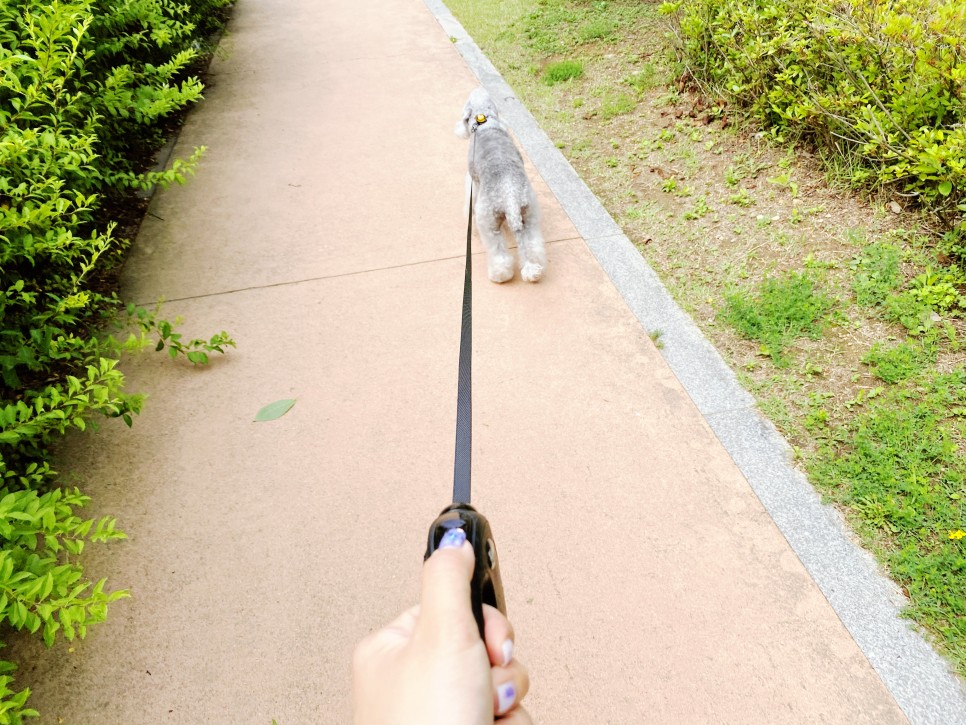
[(88, 89), (880, 84)]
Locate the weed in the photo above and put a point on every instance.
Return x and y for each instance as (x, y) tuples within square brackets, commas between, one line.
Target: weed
[(900, 362), (562, 72), (601, 28), (938, 289), (875, 273), (785, 181), (644, 210), (742, 198), (743, 167), (645, 79), (784, 308), (616, 104), (700, 210)]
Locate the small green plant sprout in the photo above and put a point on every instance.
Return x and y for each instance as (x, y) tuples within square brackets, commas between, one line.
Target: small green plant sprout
[(669, 185), (655, 336), (742, 198), (701, 209), (744, 166), (785, 181), (611, 162), (810, 369), (562, 71), (864, 395)]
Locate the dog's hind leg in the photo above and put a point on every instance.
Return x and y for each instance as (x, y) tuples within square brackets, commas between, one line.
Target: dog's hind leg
[(499, 262), (533, 254)]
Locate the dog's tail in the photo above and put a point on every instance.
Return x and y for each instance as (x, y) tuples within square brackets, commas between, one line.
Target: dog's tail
[(516, 216)]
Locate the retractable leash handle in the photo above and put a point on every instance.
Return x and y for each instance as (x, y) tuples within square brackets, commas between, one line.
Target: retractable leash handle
[(485, 586)]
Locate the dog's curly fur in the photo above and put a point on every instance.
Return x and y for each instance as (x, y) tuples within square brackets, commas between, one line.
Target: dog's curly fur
[(501, 192)]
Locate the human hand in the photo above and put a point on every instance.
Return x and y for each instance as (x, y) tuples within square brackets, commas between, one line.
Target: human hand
[(430, 667)]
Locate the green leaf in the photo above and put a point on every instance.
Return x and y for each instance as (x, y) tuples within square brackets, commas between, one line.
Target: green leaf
[(274, 410), (946, 188)]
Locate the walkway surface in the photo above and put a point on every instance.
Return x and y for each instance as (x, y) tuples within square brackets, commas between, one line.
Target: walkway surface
[(324, 230)]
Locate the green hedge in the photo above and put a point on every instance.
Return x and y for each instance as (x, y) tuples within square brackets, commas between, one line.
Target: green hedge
[(878, 87), (88, 90)]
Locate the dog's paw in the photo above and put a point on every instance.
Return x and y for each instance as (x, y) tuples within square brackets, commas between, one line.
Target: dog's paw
[(501, 274), (531, 272)]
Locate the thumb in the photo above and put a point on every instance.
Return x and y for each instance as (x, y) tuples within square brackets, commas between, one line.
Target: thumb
[(445, 612)]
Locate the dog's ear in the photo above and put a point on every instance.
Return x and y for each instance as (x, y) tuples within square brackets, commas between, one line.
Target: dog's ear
[(463, 127)]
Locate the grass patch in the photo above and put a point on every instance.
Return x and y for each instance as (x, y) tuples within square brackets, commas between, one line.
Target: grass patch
[(646, 79), (599, 28), (562, 71), (876, 273), (902, 361), (614, 104), (783, 309), (896, 468)]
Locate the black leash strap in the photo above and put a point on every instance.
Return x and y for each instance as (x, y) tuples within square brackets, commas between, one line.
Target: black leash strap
[(485, 586), (464, 396)]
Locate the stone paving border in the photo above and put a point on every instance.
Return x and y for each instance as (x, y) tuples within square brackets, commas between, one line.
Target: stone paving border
[(867, 602)]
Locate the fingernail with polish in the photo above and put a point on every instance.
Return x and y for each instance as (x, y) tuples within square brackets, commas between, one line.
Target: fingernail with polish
[(452, 539), (507, 652), (506, 695)]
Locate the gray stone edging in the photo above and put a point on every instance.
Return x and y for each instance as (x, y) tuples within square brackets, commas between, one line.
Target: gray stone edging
[(867, 602)]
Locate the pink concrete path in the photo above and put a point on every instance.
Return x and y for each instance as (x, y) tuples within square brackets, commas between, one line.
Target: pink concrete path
[(324, 231)]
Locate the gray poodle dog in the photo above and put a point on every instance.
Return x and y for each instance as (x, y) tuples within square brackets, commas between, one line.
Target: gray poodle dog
[(501, 192)]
